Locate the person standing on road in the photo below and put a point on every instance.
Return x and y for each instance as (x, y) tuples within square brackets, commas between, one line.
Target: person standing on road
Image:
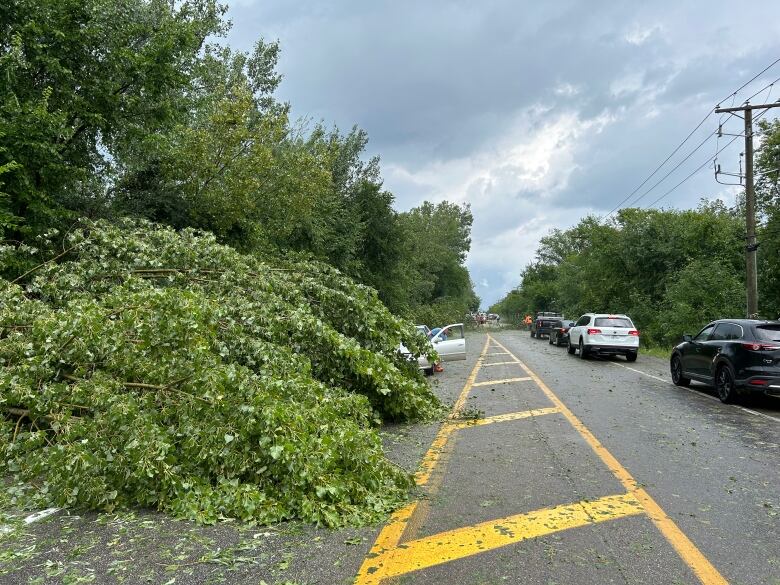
[(527, 321)]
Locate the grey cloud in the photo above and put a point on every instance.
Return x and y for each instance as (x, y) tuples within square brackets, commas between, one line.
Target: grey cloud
[(439, 86)]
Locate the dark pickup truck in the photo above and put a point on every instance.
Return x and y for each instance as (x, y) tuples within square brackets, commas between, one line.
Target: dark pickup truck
[(544, 324)]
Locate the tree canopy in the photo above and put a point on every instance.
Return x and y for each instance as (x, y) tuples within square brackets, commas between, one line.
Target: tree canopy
[(670, 270), (112, 108)]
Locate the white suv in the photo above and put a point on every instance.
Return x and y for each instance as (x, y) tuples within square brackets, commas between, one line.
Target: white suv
[(604, 334)]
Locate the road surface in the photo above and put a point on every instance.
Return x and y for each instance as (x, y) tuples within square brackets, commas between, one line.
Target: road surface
[(554, 471), (587, 471)]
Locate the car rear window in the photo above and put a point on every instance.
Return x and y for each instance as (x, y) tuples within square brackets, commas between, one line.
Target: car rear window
[(768, 332), (613, 322)]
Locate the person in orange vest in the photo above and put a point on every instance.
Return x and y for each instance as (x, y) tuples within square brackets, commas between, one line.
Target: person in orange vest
[(527, 321)]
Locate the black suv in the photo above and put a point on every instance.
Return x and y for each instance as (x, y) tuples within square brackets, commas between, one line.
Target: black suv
[(544, 323), (736, 355), (559, 335)]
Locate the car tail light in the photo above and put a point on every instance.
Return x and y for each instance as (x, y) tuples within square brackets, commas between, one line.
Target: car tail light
[(634, 332), (760, 346), (758, 382), (593, 331)]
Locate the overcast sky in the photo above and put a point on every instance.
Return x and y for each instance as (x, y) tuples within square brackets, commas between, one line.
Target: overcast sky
[(534, 113)]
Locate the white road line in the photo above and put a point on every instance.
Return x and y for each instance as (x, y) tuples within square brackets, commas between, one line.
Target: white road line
[(641, 372), (696, 392), (774, 418)]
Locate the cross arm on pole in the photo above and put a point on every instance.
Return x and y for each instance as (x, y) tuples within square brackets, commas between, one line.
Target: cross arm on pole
[(747, 107)]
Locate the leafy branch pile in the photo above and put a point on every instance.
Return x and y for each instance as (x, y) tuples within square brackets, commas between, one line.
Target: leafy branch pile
[(149, 367)]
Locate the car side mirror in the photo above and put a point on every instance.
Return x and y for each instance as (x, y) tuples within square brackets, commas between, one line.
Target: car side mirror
[(687, 337)]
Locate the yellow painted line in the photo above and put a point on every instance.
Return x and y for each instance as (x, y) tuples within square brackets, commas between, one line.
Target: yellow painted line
[(497, 353), (505, 381), (432, 456), (688, 552), (464, 542), (499, 364), (469, 381), (506, 417), (391, 533)]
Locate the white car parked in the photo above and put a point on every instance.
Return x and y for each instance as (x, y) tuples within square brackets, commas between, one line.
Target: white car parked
[(449, 343), (600, 333)]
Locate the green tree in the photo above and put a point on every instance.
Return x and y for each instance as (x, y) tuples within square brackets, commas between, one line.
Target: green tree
[(78, 78), (642, 263)]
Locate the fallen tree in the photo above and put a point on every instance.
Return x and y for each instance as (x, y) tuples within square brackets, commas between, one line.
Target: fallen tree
[(148, 367)]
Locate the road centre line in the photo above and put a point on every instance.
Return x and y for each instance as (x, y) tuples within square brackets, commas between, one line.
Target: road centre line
[(506, 417), (692, 556), (696, 392), (504, 381), (471, 540)]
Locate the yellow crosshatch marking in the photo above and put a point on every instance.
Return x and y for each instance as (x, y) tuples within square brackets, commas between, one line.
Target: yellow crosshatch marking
[(506, 381), (500, 364), (687, 551), (391, 556), (505, 417), (463, 542)]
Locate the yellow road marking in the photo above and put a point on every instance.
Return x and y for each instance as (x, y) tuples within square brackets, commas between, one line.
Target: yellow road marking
[(505, 417), (505, 381), (688, 552), (497, 353), (391, 533), (463, 542), (499, 364)]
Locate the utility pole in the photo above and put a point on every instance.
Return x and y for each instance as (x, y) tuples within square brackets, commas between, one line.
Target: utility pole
[(751, 266)]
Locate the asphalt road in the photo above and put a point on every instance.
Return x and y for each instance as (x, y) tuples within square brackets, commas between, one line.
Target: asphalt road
[(586, 471), (552, 470)]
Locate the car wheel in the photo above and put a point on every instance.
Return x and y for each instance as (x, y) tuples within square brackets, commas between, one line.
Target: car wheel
[(677, 372), (550, 339), (428, 371), (631, 357), (583, 350), (571, 349), (724, 384)]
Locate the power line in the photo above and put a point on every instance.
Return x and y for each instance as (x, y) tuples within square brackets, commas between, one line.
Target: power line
[(769, 87), (698, 169), (705, 163), (685, 140), (744, 85), (679, 164), (660, 166)]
